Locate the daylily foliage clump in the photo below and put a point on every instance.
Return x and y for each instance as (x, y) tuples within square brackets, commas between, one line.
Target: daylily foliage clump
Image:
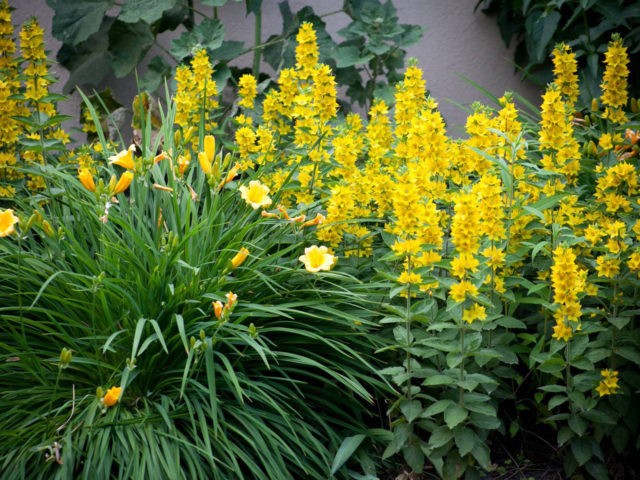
[(277, 289)]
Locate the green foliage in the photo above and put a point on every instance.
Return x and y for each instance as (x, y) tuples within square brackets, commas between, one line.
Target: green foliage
[(585, 25), (368, 61)]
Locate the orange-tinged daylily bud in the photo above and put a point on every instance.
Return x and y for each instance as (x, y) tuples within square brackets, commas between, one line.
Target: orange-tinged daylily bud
[(123, 183), (217, 309), (86, 179), (266, 214), (161, 156), (48, 229), (283, 210), (232, 298), (315, 221), (112, 396), (230, 176), (240, 257), (124, 158), (299, 218)]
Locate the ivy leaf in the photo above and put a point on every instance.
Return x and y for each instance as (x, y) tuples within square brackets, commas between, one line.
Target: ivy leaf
[(75, 20), (147, 10), (128, 44)]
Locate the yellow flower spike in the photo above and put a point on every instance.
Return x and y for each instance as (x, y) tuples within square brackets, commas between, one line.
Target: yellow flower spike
[(7, 222), (86, 179), (217, 309), (317, 258), (256, 194), (123, 182), (112, 396), (239, 258), (124, 158)]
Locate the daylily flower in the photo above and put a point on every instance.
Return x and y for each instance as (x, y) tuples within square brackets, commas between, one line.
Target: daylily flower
[(239, 258), (85, 177), (112, 396), (206, 158), (124, 158), (7, 222), (123, 182), (256, 194), (317, 258)]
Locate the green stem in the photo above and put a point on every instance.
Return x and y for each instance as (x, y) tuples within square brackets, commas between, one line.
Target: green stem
[(408, 335), (461, 373)]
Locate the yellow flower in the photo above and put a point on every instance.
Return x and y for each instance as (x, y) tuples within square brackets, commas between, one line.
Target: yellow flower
[(410, 277), (256, 195), (7, 222), (475, 312), (562, 331), (123, 183), (317, 258), (86, 179), (609, 383), (458, 291), (112, 396), (239, 258), (247, 90), (206, 158), (124, 158)]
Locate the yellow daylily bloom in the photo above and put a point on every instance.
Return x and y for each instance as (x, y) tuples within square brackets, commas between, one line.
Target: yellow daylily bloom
[(317, 258), (256, 194), (86, 178), (7, 222), (239, 258), (124, 158), (206, 158), (123, 182), (112, 396)]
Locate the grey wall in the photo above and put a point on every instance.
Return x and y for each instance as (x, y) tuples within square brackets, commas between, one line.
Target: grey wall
[(457, 42)]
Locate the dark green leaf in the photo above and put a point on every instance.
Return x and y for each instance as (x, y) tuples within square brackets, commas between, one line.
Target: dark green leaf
[(411, 409), (581, 449), (619, 322), (413, 456), (147, 10), (348, 446), (129, 42), (465, 440), (454, 415), (184, 45), (440, 436), (75, 20)]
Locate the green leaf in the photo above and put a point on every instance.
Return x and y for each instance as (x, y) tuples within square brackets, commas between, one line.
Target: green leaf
[(454, 415), (75, 20), (619, 322), (401, 433), (581, 449), (557, 400), (184, 45), (465, 440), (437, 407), (147, 10), (481, 453), (438, 380), (578, 425), (348, 446), (411, 409), (129, 42), (597, 470), (630, 354), (440, 436), (348, 55), (210, 33), (414, 457), (214, 3), (564, 435)]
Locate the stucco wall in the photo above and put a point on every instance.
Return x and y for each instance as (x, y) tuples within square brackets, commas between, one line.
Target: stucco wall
[(457, 42)]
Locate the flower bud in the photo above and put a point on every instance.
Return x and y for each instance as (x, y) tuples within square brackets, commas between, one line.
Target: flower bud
[(65, 358)]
